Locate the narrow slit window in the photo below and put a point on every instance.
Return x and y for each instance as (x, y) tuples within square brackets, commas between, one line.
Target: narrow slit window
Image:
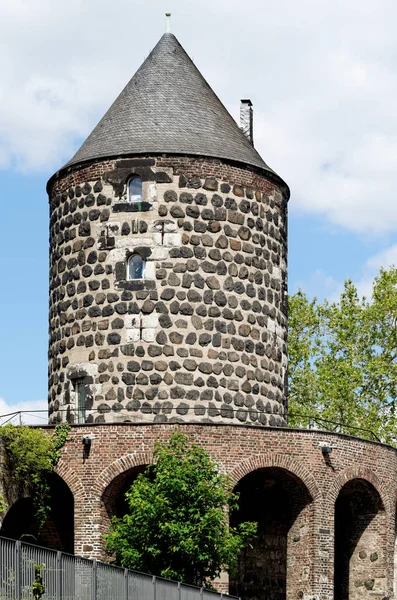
[(136, 267), (135, 190), (80, 391)]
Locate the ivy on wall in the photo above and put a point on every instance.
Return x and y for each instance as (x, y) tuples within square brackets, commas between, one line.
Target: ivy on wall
[(3, 505), (30, 456)]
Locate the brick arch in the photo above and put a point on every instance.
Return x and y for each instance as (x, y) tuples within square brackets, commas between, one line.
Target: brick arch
[(280, 461), (122, 464), (57, 530), (71, 479), (358, 472)]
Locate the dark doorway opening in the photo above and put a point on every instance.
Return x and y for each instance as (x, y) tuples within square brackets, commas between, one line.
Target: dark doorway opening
[(358, 524), (280, 503), (113, 498), (20, 522)]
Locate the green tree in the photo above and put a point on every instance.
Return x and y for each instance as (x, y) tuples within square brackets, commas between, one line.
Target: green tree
[(177, 524), (343, 360), (31, 454)]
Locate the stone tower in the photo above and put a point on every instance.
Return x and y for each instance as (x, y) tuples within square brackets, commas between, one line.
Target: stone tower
[(168, 239)]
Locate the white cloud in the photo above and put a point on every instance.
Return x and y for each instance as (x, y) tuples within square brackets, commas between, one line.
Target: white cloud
[(384, 259), (319, 284), (323, 285), (31, 412), (322, 76)]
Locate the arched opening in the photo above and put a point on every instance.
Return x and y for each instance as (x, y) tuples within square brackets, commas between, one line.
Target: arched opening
[(135, 190), (136, 267), (278, 564), (358, 556), (113, 498), (113, 501), (20, 522)]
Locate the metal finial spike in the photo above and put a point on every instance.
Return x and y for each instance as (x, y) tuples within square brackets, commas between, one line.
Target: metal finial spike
[(168, 22)]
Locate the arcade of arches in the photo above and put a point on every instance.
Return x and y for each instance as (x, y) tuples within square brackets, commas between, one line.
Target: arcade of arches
[(326, 529)]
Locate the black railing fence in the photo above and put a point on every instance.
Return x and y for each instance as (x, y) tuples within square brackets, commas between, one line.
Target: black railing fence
[(152, 414), (67, 577)]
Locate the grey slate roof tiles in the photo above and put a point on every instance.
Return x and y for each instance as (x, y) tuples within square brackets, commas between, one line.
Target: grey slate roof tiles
[(168, 107)]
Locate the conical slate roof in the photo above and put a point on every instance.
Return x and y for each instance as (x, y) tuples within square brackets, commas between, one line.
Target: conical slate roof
[(168, 107)]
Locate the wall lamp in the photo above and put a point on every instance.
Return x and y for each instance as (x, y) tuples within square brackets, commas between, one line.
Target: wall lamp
[(87, 441), (326, 448)]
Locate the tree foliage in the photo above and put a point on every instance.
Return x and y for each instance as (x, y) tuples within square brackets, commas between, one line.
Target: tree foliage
[(177, 524), (31, 455), (343, 360)]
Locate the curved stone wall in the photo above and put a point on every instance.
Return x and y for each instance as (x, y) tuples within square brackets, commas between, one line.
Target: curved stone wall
[(203, 336), (311, 486), (326, 522)]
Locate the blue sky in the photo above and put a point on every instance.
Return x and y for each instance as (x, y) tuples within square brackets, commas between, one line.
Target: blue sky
[(321, 74)]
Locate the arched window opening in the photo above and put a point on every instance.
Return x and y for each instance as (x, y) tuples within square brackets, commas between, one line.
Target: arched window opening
[(80, 395), (136, 267), (135, 190)]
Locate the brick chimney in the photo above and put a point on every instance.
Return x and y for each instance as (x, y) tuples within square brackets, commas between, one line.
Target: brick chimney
[(247, 120)]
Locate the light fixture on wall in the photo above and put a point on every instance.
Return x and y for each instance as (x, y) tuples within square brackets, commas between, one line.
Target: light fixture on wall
[(87, 441), (326, 448)]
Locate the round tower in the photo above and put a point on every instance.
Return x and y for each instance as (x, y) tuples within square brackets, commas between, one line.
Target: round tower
[(168, 257)]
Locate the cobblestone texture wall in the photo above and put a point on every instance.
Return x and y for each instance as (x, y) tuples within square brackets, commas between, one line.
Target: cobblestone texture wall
[(203, 336)]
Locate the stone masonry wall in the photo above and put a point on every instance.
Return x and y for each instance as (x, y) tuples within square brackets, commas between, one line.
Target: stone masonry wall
[(203, 336)]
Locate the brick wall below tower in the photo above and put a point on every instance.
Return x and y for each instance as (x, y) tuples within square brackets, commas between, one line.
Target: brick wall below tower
[(299, 542)]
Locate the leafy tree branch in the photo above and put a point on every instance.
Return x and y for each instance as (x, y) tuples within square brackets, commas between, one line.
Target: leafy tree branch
[(177, 523), (342, 360), (31, 455)]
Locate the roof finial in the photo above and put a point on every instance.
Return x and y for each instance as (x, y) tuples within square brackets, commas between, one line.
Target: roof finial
[(167, 22)]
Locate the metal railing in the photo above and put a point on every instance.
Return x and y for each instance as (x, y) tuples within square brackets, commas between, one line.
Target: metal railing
[(67, 577), (312, 422)]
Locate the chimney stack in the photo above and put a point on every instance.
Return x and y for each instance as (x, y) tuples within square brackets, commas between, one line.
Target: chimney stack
[(247, 120)]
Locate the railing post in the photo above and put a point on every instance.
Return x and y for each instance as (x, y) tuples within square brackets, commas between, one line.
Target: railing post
[(18, 570), (94, 579), (125, 584), (59, 576), (72, 576)]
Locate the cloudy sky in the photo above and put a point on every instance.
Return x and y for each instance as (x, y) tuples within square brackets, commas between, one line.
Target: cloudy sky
[(322, 77)]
